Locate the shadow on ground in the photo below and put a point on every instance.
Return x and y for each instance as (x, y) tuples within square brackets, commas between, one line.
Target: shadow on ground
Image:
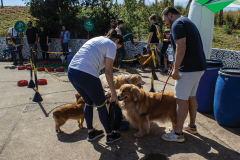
[(152, 146), (76, 136)]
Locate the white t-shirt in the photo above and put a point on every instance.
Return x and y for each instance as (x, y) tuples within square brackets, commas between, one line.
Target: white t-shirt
[(91, 56), (13, 32), (117, 28)]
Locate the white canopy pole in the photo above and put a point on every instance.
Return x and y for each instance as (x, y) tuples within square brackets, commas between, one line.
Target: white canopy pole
[(203, 18)]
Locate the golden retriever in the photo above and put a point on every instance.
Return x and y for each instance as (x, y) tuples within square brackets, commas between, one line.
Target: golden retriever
[(123, 79), (136, 102), (72, 111)]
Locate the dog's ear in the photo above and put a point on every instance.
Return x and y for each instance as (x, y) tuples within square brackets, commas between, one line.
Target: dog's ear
[(77, 95), (136, 93)]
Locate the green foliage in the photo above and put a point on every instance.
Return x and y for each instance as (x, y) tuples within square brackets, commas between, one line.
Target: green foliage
[(228, 28), (53, 13)]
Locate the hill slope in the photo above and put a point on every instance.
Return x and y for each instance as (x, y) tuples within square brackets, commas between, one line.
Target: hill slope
[(10, 15)]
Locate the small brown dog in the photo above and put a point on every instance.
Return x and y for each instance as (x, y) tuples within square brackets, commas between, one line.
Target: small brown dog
[(72, 111), (143, 58), (117, 58), (136, 102)]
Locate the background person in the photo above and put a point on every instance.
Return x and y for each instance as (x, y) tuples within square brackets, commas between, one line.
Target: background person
[(152, 38), (112, 26), (11, 47), (13, 34), (189, 66), (43, 40), (15, 39), (65, 37), (125, 38), (32, 36), (164, 55), (83, 73)]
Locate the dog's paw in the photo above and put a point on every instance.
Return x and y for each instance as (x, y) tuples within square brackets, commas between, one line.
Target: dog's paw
[(81, 127), (135, 127), (138, 134), (59, 131)]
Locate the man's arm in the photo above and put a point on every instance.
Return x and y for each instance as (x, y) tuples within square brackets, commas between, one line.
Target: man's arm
[(36, 38), (47, 41), (180, 53), (149, 38)]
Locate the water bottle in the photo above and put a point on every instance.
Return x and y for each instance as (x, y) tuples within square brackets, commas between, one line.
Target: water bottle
[(170, 53), (69, 49)]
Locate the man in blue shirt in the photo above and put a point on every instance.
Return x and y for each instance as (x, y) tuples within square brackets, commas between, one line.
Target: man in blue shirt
[(189, 66)]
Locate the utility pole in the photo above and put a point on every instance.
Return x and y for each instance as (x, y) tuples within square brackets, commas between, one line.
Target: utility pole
[(2, 3)]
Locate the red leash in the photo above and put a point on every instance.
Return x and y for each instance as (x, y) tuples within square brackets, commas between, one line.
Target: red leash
[(144, 114)]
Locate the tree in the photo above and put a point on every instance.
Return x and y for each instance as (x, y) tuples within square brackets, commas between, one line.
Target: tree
[(53, 13), (221, 17)]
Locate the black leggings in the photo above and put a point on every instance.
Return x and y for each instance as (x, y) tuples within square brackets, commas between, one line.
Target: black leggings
[(90, 88), (44, 48)]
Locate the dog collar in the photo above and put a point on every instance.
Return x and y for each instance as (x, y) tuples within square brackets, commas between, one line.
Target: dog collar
[(127, 81)]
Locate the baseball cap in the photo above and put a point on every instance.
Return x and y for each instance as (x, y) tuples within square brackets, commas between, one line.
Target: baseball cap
[(112, 20)]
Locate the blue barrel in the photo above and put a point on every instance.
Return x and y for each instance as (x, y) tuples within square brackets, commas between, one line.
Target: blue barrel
[(69, 58), (227, 98), (206, 87)]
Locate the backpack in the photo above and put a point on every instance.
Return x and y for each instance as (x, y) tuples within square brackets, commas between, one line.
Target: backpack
[(115, 116), (158, 31)]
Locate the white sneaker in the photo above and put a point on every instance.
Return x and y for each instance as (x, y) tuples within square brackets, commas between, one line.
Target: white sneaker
[(192, 130), (173, 137)]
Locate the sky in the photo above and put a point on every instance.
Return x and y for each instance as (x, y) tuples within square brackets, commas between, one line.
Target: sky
[(177, 2)]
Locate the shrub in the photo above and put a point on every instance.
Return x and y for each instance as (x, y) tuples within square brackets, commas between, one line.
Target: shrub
[(228, 28)]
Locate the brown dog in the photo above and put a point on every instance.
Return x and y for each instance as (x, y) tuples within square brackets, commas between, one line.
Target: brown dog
[(117, 58), (143, 58), (72, 111), (137, 102)]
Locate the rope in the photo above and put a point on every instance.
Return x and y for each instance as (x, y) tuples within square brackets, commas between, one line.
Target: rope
[(129, 60), (54, 76)]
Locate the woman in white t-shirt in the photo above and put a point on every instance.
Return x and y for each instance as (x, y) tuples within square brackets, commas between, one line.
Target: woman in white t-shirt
[(83, 73)]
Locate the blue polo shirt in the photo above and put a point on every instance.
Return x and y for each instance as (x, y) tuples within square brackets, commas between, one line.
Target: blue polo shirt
[(194, 59)]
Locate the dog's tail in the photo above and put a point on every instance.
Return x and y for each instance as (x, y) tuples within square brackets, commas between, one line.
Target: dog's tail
[(55, 115)]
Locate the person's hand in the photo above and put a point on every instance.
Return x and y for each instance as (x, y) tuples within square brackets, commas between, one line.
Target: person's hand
[(165, 40), (114, 97), (47, 44), (175, 74), (36, 42), (14, 37), (147, 47), (68, 44)]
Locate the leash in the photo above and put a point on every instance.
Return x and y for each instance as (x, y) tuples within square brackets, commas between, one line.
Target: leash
[(144, 114)]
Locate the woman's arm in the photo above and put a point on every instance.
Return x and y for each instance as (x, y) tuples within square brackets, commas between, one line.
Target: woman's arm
[(109, 75), (68, 36)]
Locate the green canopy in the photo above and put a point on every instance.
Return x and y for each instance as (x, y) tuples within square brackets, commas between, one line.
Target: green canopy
[(216, 5)]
